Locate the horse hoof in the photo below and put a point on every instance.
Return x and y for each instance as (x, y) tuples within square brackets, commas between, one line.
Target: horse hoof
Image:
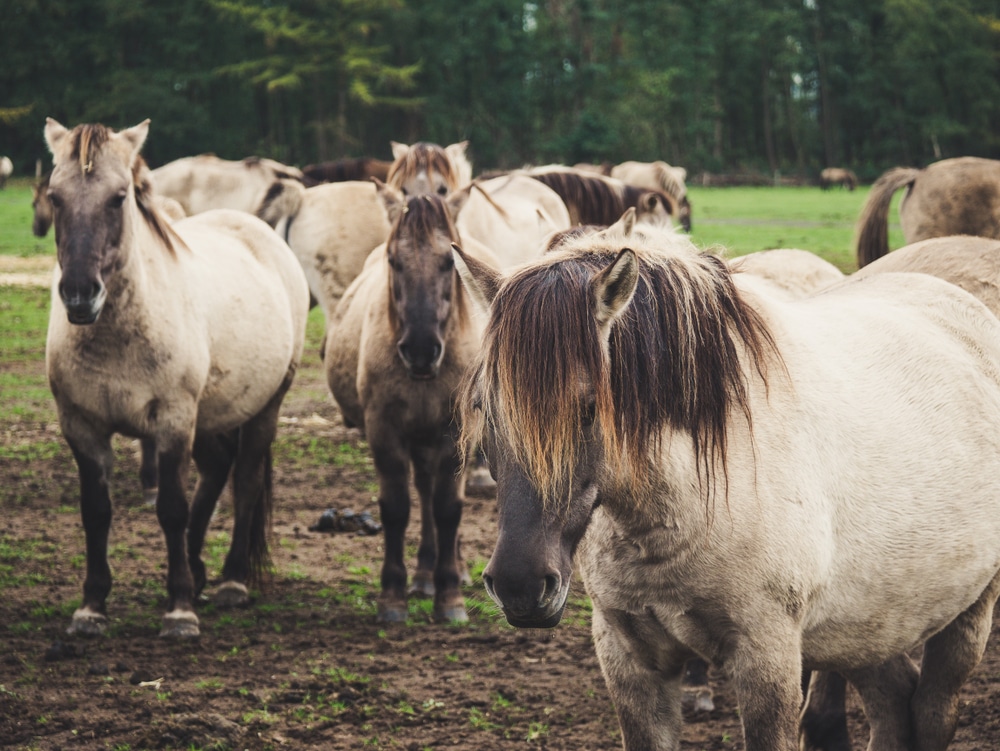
[(453, 612), (699, 700), (421, 586), (392, 611), (180, 624), (87, 622), (464, 579), (231, 594), (149, 496)]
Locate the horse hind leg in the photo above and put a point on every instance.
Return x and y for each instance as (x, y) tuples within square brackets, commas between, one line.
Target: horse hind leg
[(214, 456), (147, 471), (823, 723), (886, 691), (950, 656)]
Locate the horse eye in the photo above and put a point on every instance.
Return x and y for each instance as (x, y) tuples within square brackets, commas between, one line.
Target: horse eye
[(447, 263), (442, 190), (55, 200), (116, 201), (589, 414)]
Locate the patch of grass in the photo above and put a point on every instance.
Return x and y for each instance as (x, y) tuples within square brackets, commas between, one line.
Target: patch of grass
[(16, 214)]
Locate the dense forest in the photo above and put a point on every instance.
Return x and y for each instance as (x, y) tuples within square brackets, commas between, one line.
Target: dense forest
[(763, 86)]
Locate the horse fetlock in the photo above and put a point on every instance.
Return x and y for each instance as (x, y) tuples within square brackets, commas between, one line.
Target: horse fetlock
[(698, 699), (450, 609), (180, 624), (232, 594), (87, 622), (392, 608), (422, 585)]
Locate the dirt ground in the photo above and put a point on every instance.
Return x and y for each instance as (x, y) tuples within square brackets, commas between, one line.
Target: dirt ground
[(306, 666)]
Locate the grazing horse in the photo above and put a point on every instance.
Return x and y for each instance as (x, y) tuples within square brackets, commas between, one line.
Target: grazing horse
[(734, 474), (361, 168), (658, 176), (204, 182), (951, 197), (837, 176), (595, 199), (397, 346), (6, 170), (185, 335)]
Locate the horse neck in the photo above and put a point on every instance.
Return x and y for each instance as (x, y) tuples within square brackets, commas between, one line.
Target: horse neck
[(130, 286)]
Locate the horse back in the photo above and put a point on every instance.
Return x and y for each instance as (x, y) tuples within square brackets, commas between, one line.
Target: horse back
[(953, 197)]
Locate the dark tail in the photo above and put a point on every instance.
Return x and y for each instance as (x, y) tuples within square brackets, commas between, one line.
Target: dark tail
[(873, 224)]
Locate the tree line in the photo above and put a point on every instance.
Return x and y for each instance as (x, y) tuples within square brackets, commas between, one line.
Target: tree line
[(764, 86)]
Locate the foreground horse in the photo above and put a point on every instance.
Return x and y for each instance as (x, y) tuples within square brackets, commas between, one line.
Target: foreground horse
[(951, 197), (397, 345), (204, 182), (658, 176), (736, 477), (184, 335)]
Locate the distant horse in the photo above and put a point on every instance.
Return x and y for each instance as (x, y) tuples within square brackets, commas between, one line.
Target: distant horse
[(595, 199), (397, 345), (6, 170), (735, 476), (658, 176), (42, 207), (361, 168), (951, 197), (837, 176), (204, 182), (426, 168), (604, 168), (184, 335)]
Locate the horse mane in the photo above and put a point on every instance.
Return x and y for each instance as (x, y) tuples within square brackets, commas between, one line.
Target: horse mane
[(594, 199), (422, 156), (422, 216), (86, 140), (678, 358)]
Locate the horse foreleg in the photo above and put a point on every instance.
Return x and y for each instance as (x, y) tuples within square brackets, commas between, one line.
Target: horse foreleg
[(643, 667), (393, 468), (422, 584), (94, 466), (172, 511), (823, 723), (213, 455)]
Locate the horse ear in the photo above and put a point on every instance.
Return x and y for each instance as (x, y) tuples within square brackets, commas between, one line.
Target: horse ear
[(613, 288), (54, 134), (136, 136), (481, 280), (392, 199), (456, 150), (624, 225), (457, 199), (399, 150)]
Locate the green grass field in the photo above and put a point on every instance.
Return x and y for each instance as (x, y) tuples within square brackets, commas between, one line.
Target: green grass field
[(15, 223)]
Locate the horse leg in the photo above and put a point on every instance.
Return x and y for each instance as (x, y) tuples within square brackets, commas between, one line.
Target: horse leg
[(886, 691), (949, 658), (94, 465), (643, 667), (214, 456), (147, 471), (823, 724), (173, 513), (422, 584), (697, 692), (253, 502), (444, 464), (393, 468), (768, 682)]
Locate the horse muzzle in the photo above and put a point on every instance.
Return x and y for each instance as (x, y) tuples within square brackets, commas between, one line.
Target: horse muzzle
[(84, 306), (527, 611), (422, 362)]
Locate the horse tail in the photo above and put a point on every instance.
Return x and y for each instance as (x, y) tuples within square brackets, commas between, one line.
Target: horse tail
[(873, 224), (259, 555), (282, 201)]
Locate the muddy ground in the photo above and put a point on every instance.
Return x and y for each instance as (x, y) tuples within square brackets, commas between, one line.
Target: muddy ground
[(306, 666)]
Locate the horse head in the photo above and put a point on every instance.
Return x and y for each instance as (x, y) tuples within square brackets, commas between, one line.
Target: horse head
[(41, 206), (428, 169), (422, 282)]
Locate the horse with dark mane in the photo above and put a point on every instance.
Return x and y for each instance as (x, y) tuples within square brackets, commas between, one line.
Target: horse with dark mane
[(837, 176), (734, 474), (184, 335), (359, 168)]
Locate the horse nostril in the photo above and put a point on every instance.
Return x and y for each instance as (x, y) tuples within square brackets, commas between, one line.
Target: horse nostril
[(488, 583), (435, 352), (551, 588)]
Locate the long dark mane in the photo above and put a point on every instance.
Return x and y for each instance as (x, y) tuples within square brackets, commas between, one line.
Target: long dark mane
[(595, 199), (680, 358), (89, 138)]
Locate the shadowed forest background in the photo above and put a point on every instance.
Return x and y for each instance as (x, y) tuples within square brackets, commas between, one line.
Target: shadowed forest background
[(763, 86)]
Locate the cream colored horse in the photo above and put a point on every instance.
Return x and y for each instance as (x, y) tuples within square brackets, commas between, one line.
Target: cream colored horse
[(397, 345), (185, 335), (791, 272), (658, 175), (767, 484), (204, 182)]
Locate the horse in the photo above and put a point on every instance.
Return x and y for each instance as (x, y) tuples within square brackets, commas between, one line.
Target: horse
[(658, 176), (598, 200), (6, 170), (791, 272), (604, 168), (837, 176), (204, 182), (951, 197), (42, 208), (360, 168), (397, 346), (735, 476), (185, 335), (424, 168)]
